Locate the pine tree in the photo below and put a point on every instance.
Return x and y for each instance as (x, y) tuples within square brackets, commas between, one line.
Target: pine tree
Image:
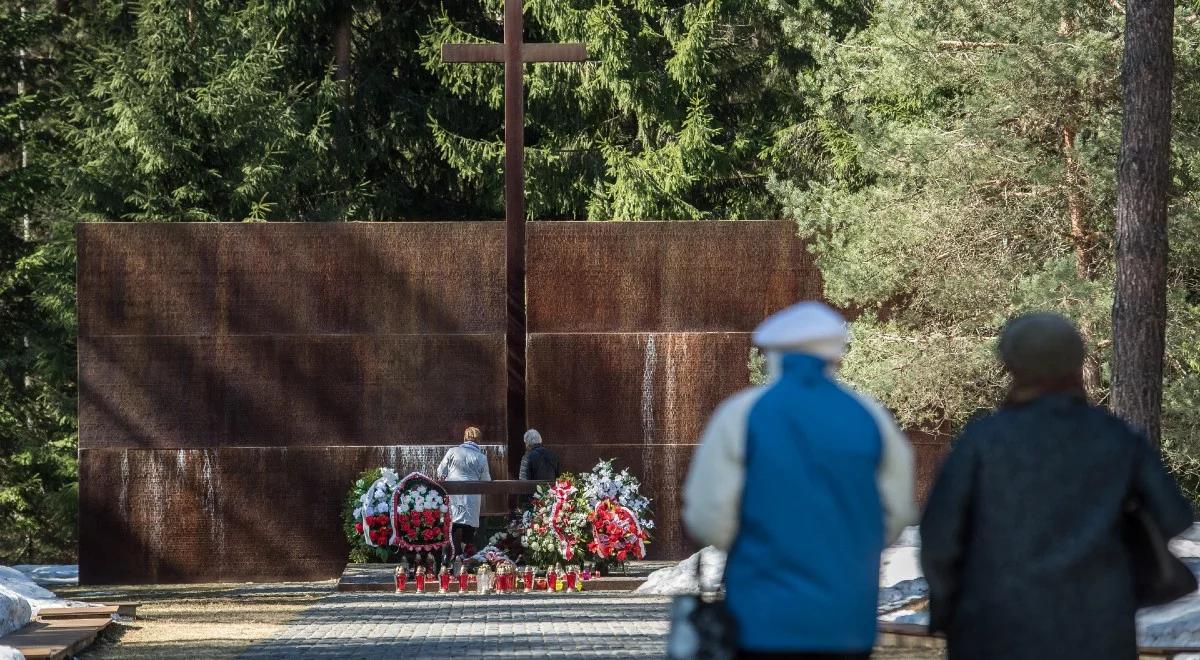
[(968, 154), (1140, 304)]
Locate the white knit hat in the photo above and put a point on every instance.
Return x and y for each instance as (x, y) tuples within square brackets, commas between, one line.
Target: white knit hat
[(809, 327)]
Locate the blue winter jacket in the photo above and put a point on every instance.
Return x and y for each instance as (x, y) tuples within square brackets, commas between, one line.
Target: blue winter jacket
[(805, 482)]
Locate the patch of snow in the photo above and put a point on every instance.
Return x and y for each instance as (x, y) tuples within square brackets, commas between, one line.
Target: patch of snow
[(9, 653), (51, 575), (20, 600), (15, 611), (899, 564), (680, 579)]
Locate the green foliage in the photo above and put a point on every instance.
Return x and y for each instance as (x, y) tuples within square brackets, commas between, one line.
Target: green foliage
[(680, 113), (37, 313), (966, 175), (758, 367), (360, 552)]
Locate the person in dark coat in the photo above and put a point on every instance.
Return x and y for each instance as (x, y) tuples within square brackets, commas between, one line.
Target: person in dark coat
[(538, 463), (1021, 537)]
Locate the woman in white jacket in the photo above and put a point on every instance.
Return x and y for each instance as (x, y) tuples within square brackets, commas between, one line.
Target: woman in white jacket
[(466, 462)]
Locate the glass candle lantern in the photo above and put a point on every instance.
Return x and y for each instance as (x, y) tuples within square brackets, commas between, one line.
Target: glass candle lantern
[(420, 579), (551, 578), (501, 574), (572, 576), (444, 580), (527, 576), (401, 578), (463, 580), (483, 580)]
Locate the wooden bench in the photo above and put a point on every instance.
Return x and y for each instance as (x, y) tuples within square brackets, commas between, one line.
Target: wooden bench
[(507, 489)]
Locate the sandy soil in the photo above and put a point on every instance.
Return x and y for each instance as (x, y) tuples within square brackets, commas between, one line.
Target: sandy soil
[(197, 621)]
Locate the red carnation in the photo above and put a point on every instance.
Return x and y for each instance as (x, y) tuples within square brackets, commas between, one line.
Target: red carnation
[(428, 534), (621, 555), (358, 527)]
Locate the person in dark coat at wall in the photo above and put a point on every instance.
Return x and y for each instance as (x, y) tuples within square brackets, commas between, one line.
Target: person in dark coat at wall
[(1022, 535), (538, 463)]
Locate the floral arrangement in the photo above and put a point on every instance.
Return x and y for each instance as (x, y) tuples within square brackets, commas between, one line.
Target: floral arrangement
[(599, 516), (616, 533), (620, 514), (508, 540), (605, 483), (556, 527), (367, 512), (491, 555), (420, 519)]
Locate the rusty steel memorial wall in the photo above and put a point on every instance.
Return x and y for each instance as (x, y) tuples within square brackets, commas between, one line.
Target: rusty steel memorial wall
[(235, 378)]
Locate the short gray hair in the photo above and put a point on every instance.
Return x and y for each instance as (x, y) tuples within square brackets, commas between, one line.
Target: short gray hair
[(532, 437)]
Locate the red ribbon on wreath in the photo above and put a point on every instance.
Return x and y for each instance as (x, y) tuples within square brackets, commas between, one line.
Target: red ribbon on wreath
[(562, 491)]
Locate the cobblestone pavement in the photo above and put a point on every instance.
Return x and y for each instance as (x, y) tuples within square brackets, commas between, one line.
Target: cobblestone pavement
[(381, 625)]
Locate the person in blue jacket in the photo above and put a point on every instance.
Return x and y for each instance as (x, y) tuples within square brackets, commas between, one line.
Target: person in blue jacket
[(804, 482)]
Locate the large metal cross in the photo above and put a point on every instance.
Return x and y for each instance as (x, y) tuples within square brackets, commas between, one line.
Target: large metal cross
[(514, 53)]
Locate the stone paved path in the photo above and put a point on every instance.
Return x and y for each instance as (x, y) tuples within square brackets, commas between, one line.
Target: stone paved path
[(382, 625)]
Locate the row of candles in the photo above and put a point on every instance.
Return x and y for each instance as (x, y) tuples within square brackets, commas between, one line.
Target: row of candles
[(501, 581)]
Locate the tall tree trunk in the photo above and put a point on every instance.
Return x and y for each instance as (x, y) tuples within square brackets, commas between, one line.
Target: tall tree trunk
[(1140, 303), (341, 42), (1083, 241)]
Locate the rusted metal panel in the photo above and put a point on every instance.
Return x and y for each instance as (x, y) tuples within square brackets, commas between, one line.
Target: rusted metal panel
[(664, 276), (290, 278), (289, 390), (647, 388), (252, 347), (227, 514), (146, 278), (929, 450), (372, 278), (643, 398)]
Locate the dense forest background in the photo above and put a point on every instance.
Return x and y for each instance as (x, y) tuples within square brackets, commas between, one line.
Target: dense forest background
[(952, 162)]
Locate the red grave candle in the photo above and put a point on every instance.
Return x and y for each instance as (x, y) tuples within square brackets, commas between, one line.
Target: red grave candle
[(463, 581), (551, 580), (420, 581), (444, 581), (401, 579), (570, 581), (528, 579)]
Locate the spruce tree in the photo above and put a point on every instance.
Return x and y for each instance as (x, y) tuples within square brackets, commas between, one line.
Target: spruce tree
[(679, 113), (37, 401)]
